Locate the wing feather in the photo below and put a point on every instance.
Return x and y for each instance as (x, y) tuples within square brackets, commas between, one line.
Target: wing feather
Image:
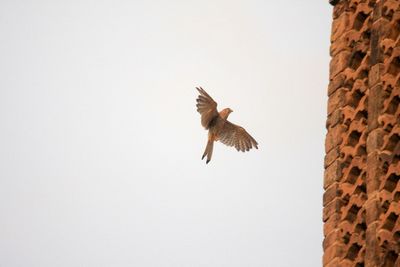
[(207, 107), (234, 135)]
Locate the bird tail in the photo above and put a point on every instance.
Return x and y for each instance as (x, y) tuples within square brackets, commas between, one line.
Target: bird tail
[(209, 150)]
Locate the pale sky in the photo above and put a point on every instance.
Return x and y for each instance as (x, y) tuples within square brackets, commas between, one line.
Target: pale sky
[(100, 141)]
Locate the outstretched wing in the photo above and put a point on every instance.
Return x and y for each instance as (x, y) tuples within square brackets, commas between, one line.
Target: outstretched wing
[(234, 135), (207, 107)]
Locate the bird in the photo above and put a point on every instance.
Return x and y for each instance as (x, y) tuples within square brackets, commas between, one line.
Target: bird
[(219, 128)]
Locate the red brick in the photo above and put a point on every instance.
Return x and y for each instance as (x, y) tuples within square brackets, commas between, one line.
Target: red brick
[(375, 140), (332, 208), (375, 104), (374, 172), (331, 156), (330, 193), (372, 250), (372, 208), (335, 250), (336, 83), (332, 174), (340, 26), (331, 238), (333, 263), (334, 137), (338, 63), (337, 100), (374, 76), (331, 224)]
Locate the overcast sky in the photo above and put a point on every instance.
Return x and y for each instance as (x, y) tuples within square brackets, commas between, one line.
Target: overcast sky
[(100, 141)]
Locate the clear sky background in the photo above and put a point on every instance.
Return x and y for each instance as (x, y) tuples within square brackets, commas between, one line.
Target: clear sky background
[(100, 141)]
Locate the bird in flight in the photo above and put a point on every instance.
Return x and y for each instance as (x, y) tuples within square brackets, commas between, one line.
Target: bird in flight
[(219, 128)]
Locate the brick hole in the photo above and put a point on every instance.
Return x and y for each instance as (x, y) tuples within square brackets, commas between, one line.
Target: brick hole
[(360, 189), (388, 127), (346, 199), (353, 4), (353, 252), (393, 105), (346, 238), (363, 74), (354, 138), (390, 221), (390, 259), (385, 206), (396, 197), (352, 44), (355, 98), (388, 13), (349, 84), (339, 192), (394, 66), (359, 21), (388, 89), (393, 140), (347, 122), (362, 114), (385, 167), (361, 150), (356, 59), (361, 228), (396, 237), (391, 182), (360, 264), (366, 34), (352, 213), (372, 3), (347, 161), (395, 30), (353, 175), (389, 50)]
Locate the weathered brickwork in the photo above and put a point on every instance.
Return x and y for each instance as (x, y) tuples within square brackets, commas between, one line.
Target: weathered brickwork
[(362, 163)]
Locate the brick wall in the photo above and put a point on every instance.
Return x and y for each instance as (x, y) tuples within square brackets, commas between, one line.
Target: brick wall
[(362, 163)]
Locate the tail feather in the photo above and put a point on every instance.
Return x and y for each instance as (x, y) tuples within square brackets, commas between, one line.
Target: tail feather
[(208, 151)]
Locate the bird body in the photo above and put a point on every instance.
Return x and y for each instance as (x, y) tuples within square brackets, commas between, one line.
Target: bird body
[(219, 128)]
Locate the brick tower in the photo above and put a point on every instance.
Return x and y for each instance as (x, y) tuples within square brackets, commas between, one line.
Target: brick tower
[(362, 163)]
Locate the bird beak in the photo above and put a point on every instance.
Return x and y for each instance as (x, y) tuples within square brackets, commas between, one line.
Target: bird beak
[(231, 110)]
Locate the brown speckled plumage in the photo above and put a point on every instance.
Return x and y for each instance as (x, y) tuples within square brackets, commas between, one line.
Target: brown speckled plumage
[(219, 128)]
